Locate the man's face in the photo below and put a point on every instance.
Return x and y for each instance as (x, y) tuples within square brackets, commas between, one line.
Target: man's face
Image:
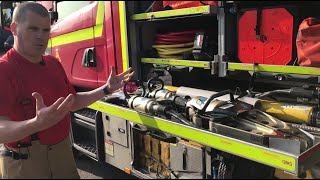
[(32, 35)]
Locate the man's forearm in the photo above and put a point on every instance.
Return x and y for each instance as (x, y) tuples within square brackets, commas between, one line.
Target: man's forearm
[(84, 99), (11, 131)]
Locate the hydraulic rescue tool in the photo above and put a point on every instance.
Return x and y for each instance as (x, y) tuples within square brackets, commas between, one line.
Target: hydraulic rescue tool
[(306, 113), (156, 91), (240, 120), (152, 106), (233, 117)]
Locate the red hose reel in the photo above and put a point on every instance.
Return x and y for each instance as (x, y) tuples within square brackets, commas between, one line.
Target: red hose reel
[(175, 37), (276, 28)]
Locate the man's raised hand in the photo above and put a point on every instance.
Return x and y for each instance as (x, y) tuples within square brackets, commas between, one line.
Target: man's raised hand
[(47, 116)]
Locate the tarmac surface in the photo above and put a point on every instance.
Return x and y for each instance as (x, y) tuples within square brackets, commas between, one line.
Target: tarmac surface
[(90, 169)]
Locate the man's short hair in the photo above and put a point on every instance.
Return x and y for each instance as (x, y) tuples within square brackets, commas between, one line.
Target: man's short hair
[(20, 12)]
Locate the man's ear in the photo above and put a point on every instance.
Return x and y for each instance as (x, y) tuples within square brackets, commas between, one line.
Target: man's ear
[(13, 27)]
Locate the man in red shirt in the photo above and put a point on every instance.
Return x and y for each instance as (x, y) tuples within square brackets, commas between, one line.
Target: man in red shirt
[(34, 113)]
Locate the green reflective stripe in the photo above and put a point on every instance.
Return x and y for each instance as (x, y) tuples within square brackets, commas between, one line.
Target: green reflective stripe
[(98, 30), (99, 19), (76, 36), (260, 154), (100, 13), (83, 34), (274, 68), (172, 13), (123, 35), (198, 64), (49, 43)]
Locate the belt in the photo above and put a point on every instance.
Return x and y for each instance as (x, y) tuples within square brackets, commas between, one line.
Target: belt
[(34, 137), (13, 155)]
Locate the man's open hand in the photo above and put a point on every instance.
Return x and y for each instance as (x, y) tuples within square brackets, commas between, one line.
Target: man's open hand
[(116, 82), (47, 116)]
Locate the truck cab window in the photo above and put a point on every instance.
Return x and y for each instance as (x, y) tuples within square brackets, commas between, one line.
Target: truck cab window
[(66, 8)]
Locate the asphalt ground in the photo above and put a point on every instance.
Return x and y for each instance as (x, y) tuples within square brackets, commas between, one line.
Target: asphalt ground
[(90, 169)]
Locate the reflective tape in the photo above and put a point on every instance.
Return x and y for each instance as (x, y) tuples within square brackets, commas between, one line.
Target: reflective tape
[(260, 154), (83, 34), (123, 35)]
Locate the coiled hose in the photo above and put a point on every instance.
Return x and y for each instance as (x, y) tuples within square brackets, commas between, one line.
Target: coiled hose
[(174, 44)]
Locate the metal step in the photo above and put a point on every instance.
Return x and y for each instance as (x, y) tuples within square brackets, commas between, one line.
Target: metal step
[(86, 114), (86, 148)]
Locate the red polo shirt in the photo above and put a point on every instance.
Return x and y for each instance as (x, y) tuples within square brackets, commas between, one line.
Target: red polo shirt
[(19, 78)]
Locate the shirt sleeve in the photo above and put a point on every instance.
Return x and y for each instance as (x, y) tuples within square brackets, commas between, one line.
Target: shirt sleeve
[(7, 90)]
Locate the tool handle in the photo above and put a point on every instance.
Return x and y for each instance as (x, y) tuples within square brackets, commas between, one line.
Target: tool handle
[(215, 96)]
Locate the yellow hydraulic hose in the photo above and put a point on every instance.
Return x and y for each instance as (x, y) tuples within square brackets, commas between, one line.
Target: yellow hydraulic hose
[(171, 49), (173, 45), (170, 52)]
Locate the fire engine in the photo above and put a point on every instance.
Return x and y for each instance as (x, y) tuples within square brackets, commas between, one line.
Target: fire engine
[(218, 91)]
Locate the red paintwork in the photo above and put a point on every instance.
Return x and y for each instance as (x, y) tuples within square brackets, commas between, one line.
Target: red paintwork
[(117, 36), (105, 47), (106, 56)]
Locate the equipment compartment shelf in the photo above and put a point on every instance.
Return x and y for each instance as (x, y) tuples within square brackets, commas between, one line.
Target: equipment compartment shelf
[(174, 62), (274, 68), (179, 13), (296, 164)]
